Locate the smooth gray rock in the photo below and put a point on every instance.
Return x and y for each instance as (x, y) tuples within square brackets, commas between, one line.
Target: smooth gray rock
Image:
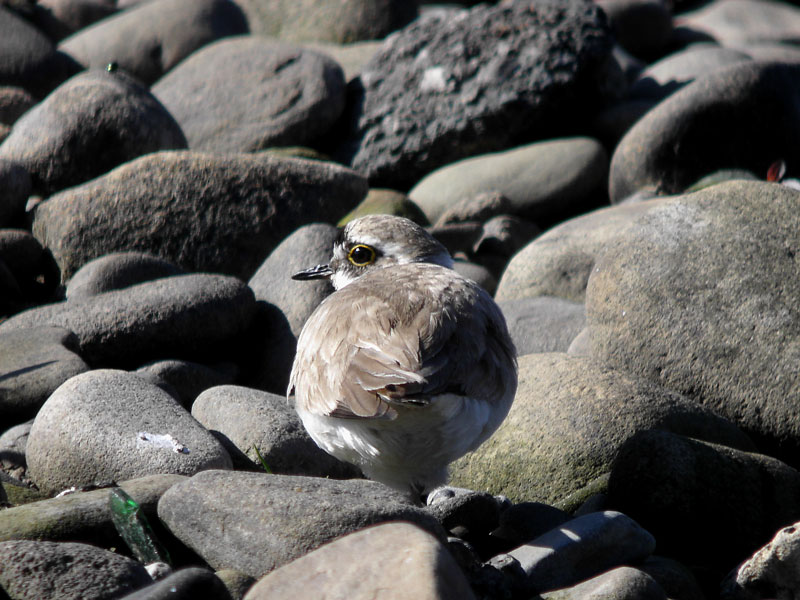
[(33, 363), (111, 425), (740, 21), (194, 317), (83, 516), (699, 295), (189, 583), (255, 522), (13, 442), (343, 21), (380, 201), (524, 521), (30, 264), (543, 182), (709, 506), (249, 93), (32, 570), (60, 18), (28, 59), (580, 549), (712, 122), (87, 126), (186, 380), (464, 512), (116, 271), (351, 57), (543, 324), (248, 203), (15, 183), (569, 418), (620, 583), (642, 27), (149, 39), (453, 87), (249, 419), (308, 246), (675, 578), (424, 568), (14, 101)]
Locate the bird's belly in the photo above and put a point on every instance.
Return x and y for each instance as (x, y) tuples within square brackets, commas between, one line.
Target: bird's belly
[(413, 449)]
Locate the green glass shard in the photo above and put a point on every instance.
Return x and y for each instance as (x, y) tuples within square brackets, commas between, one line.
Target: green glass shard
[(133, 527)]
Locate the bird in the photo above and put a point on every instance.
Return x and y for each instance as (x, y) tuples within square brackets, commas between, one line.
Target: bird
[(406, 366)]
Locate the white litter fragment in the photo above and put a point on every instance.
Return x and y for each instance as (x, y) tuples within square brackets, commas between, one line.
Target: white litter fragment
[(66, 492), (161, 440)]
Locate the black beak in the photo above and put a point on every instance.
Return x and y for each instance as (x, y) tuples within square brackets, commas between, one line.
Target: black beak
[(318, 272)]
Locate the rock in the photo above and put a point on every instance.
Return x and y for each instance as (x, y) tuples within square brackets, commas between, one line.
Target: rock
[(185, 584), (88, 125), (83, 516), (30, 570), (249, 93), (60, 18), (477, 82), (194, 317), (481, 207), (771, 571), (30, 265), (270, 520), (351, 57), (526, 521), (676, 70), (272, 348), (16, 185), (29, 59), (580, 549), (308, 246), (116, 271), (463, 512), (12, 448), (111, 425), (569, 418), (739, 21), (620, 583), (185, 380), (544, 182), (675, 301), (674, 578), (386, 202), (477, 273), (14, 101), (614, 121), (688, 493), (718, 121), (422, 568), (543, 324), (251, 420), (33, 363), (642, 27), (237, 582), (149, 39), (249, 204), (320, 21), (558, 262)]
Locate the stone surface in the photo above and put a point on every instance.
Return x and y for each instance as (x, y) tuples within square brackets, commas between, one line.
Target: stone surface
[(249, 419), (195, 317), (31, 265), (111, 425), (16, 187), (33, 363), (14, 101), (543, 324), (709, 506), (185, 380), (185, 584), (620, 583), (60, 18), (88, 125), (30, 570), (82, 516), (642, 27), (478, 81), (149, 39), (249, 93), (543, 182), (249, 204), (351, 57), (580, 549), (116, 271), (569, 418), (386, 202), (718, 121), (255, 522), (699, 296), (403, 560), (738, 21)]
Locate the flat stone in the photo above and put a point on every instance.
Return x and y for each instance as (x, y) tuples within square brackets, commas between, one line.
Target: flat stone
[(543, 324), (249, 93), (88, 125), (185, 379), (249, 204), (404, 561), (116, 271), (108, 425), (184, 584), (620, 583), (60, 18), (255, 522), (739, 21), (149, 39)]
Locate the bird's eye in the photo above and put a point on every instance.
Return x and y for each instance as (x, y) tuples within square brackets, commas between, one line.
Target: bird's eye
[(361, 255)]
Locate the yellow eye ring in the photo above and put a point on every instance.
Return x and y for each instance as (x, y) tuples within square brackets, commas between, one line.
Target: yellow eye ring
[(361, 255)]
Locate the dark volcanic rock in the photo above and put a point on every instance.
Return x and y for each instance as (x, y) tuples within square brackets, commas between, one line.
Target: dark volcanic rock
[(90, 124), (200, 211), (445, 89)]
